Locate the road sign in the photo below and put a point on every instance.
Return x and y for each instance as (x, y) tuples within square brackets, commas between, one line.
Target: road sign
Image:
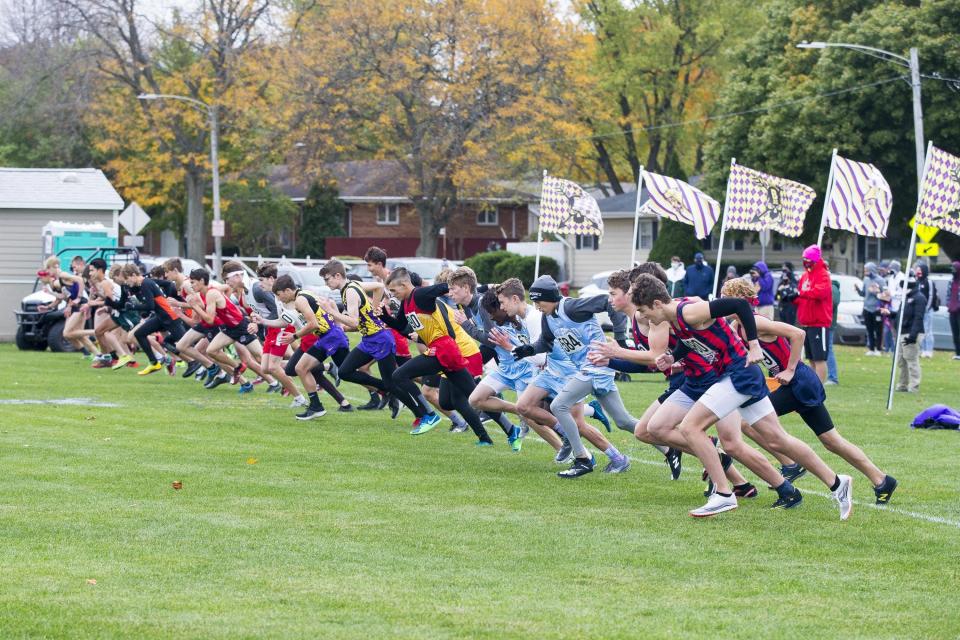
[(217, 230), (133, 218), (924, 232), (929, 249), (133, 241)]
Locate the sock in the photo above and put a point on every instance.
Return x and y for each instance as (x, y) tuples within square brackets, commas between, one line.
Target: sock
[(743, 486), (785, 490), (113, 355), (300, 397), (612, 453), (662, 449), (836, 484), (423, 402), (588, 411), (504, 423), (725, 495), (212, 367), (457, 419), (374, 396), (222, 374), (314, 400)]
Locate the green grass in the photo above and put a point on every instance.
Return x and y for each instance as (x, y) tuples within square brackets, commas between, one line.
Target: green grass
[(347, 527)]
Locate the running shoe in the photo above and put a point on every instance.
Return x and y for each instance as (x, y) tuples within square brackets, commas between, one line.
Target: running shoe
[(383, 400), (459, 427), (258, 380), (345, 408), (427, 423), (373, 404), (581, 467), (122, 362), (192, 368), (524, 428), (791, 472), (170, 364), (565, 453), (885, 490), (284, 393), (788, 502), (844, 496), (708, 491), (238, 373), (150, 368), (217, 381), (395, 407), (202, 376), (310, 414), (515, 439), (299, 402), (246, 387), (599, 414), (133, 364), (483, 443), (102, 363), (715, 504), (746, 490), (334, 373), (274, 388), (618, 465), (212, 372), (674, 461)]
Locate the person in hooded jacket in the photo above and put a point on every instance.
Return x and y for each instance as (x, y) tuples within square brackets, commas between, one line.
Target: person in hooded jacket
[(675, 275), (953, 308), (698, 279), (913, 308), (922, 274), (786, 294), (815, 308), (760, 275), (873, 286)]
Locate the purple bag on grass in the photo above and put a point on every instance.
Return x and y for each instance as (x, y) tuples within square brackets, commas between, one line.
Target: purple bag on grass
[(939, 416)]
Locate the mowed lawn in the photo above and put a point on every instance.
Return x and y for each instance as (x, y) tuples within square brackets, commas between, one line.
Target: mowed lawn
[(348, 527)]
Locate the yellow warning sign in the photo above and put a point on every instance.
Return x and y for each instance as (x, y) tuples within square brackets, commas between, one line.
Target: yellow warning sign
[(929, 249), (924, 232)]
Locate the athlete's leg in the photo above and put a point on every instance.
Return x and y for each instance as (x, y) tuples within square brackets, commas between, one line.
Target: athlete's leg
[(215, 352), (572, 393), (732, 441), (781, 441), (186, 346), (351, 370), (461, 385)]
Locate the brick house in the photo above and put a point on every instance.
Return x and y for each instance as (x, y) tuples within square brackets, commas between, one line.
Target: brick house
[(378, 212)]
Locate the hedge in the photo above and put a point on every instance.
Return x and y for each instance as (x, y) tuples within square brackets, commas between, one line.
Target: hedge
[(523, 267), (483, 264)]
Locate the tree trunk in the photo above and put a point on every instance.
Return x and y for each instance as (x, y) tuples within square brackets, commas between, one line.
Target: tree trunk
[(428, 230), (196, 220)]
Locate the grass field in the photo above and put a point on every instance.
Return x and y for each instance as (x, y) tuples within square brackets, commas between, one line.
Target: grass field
[(348, 527)]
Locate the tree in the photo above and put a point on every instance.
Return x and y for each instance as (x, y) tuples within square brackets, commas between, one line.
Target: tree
[(258, 215), (459, 92), (322, 217), (674, 239)]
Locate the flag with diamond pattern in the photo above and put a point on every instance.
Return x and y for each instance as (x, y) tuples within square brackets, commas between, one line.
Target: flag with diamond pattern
[(677, 200), (758, 201), (860, 200), (566, 208), (940, 203)]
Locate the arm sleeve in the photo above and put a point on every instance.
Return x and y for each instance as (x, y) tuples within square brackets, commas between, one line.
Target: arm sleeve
[(267, 299), (476, 327), (582, 309), (148, 291), (426, 297), (728, 306), (545, 342), (398, 323), (626, 366)]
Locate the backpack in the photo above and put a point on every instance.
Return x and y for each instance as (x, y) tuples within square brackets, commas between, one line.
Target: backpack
[(939, 416)]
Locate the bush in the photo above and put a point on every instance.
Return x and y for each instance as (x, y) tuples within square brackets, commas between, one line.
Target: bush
[(484, 264), (523, 267), (674, 239)]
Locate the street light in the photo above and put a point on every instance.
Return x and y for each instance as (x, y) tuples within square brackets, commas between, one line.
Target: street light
[(211, 112), (912, 63)]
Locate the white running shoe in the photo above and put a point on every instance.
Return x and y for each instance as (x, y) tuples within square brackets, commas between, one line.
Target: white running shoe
[(844, 496), (715, 504), (299, 402)]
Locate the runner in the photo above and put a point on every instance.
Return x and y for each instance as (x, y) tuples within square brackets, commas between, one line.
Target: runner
[(68, 287), (162, 317), (264, 303), (224, 323)]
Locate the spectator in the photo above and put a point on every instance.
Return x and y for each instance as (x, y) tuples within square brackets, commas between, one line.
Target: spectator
[(815, 308), (675, 277), (760, 275), (953, 307), (914, 306), (873, 286), (832, 374), (731, 275), (929, 291), (698, 279), (896, 283), (787, 293)]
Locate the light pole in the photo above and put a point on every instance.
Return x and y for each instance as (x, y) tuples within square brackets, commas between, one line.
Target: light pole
[(211, 111), (912, 63)]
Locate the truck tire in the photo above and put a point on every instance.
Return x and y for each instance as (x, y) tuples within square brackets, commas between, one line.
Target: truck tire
[(56, 341), (25, 344)]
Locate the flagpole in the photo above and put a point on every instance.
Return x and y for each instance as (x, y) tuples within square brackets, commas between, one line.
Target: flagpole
[(723, 227), (636, 219), (826, 201), (907, 267), (536, 265)]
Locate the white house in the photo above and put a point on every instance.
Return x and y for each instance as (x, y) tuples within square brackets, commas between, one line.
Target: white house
[(29, 199)]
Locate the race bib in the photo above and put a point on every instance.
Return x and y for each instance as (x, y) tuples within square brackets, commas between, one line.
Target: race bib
[(771, 365), (413, 320), (569, 342), (700, 349)]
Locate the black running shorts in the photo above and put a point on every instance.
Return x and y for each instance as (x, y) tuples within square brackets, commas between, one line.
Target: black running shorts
[(815, 344)]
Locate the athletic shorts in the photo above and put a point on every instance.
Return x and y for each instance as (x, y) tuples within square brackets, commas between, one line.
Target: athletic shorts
[(379, 345), (270, 344), (817, 418), (815, 344), (432, 381), (401, 342), (550, 382), (806, 387), (676, 381), (723, 398), (126, 320), (327, 344), (208, 332), (475, 364), (497, 381), (691, 390), (602, 383), (239, 333), (446, 350)]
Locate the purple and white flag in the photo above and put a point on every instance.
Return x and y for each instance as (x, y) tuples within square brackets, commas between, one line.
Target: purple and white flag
[(860, 201), (566, 208), (940, 204), (676, 200), (758, 201)]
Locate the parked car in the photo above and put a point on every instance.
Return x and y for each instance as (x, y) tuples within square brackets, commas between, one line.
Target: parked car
[(598, 287), (308, 278), (426, 268), (850, 328), (358, 268), (942, 337)]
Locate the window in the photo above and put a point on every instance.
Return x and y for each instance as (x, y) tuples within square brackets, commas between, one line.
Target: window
[(588, 242), (388, 214), (488, 217), (646, 234)]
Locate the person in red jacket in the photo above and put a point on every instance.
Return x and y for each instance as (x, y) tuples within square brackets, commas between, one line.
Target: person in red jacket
[(815, 308)]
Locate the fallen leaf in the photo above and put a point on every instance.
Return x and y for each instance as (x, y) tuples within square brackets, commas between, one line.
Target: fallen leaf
[(91, 581), (107, 439), (90, 418), (176, 484), (252, 461)]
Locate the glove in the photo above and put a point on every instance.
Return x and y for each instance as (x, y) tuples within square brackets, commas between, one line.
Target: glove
[(910, 340), (129, 305), (524, 351)]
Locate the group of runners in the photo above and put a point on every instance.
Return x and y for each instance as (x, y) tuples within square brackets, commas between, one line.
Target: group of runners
[(453, 347)]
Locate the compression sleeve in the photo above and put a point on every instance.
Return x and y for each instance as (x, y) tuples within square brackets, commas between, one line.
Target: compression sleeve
[(426, 297), (736, 306)]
